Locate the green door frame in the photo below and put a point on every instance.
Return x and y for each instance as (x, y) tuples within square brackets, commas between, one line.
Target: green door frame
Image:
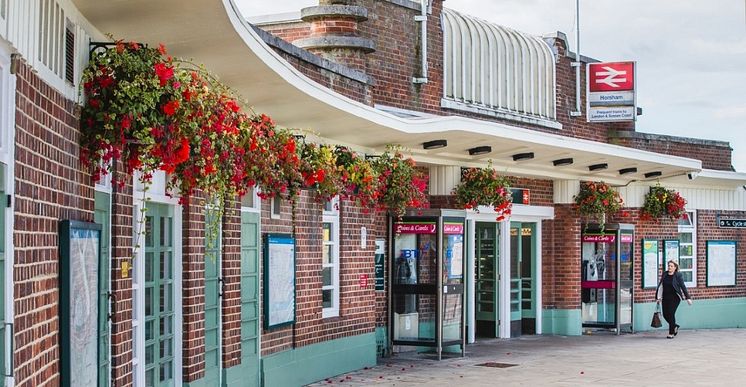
[(3, 371), (213, 297), (159, 296), (250, 323), (102, 216)]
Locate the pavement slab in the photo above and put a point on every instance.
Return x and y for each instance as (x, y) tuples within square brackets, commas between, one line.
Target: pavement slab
[(714, 357)]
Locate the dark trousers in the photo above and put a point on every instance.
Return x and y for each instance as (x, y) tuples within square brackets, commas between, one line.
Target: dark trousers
[(670, 304)]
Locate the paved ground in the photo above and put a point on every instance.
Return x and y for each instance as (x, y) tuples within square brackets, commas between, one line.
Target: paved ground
[(693, 358)]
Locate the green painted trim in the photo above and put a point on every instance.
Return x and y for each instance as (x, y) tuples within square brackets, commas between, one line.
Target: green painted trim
[(703, 314), (564, 322), (316, 362), (241, 375), (197, 383), (382, 341)]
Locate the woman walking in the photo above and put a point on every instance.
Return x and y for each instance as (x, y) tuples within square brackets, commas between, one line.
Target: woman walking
[(671, 289)]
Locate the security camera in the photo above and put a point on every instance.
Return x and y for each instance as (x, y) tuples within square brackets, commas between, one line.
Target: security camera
[(692, 175)]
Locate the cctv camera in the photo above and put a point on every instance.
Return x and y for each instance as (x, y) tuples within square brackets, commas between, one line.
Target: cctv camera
[(692, 175)]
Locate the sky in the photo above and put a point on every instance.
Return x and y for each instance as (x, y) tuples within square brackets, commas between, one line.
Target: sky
[(690, 54)]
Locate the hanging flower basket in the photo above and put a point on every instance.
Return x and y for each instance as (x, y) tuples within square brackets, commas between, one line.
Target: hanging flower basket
[(661, 202), (484, 187), (401, 185), (359, 180), (319, 171), (598, 200)]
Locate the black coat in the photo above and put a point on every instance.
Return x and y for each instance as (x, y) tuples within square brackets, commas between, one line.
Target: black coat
[(678, 286)]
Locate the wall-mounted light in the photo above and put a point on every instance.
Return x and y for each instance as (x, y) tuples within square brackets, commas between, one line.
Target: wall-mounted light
[(598, 167), (435, 144), (561, 162), (480, 150), (523, 156), (653, 174), (625, 171)]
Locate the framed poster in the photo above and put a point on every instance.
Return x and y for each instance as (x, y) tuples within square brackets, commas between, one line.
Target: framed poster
[(721, 263), (279, 280), (670, 252), (650, 263), (79, 252)]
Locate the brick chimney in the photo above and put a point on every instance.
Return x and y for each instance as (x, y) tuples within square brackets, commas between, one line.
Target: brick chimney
[(334, 33)]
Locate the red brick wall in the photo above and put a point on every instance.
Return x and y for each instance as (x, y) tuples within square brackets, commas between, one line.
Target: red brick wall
[(289, 32), (561, 264), (356, 315), (231, 272), (193, 291), (50, 186), (121, 251), (713, 154)]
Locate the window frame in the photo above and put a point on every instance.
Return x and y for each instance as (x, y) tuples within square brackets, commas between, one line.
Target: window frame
[(330, 215), (275, 204), (690, 228)]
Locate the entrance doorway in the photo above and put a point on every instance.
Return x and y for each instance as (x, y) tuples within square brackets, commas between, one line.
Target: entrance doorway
[(486, 286), (522, 275)]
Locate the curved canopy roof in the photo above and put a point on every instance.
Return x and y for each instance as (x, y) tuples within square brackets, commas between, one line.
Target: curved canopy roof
[(497, 67), (214, 33)]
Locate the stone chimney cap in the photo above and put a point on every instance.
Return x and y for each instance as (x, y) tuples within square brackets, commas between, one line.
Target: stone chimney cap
[(323, 11)]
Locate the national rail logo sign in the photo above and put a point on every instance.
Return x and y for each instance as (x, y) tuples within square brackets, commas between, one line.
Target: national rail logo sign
[(611, 92)]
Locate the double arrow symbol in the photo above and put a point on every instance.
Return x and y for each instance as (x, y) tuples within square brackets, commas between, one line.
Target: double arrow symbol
[(611, 76)]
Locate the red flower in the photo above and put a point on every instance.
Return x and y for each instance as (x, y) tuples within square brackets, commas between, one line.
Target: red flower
[(170, 107), (164, 72)]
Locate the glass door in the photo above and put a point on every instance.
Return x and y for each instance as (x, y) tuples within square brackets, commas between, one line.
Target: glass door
[(159, 296), (626, 279), (528, 273), (486, 279), (522, 274)]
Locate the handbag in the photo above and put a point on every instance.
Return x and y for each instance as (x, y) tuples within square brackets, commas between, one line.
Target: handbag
[(656, 323)]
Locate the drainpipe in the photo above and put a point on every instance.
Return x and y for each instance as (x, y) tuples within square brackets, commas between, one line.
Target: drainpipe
[(422, 19), (577, 63)]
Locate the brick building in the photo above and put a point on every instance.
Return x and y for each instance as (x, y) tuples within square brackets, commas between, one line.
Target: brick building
[(364, 74)]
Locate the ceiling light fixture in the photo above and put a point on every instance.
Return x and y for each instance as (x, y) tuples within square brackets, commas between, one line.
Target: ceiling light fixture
[(653, 174), (625, 171), (523, 156), (561, 162), (480, 150), (435, 144), (598, 167)]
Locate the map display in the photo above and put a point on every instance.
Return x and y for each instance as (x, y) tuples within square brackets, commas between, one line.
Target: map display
[(721, 263), (279, 280), (650, 263)]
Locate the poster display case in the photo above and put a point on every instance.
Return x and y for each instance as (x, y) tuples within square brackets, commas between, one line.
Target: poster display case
[(426, 298)]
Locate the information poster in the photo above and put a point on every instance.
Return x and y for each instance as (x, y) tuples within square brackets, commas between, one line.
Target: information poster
[(380, 260), (650, 263), (279, 280), (670, 252), (79, 258), (721, 263)]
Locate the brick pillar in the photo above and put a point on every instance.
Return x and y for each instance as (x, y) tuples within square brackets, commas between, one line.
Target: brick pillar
[(122, 340), (561, 271), (334, 33), (193, 290), (231, 272)]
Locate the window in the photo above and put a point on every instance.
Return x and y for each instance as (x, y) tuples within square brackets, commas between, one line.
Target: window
[(330, 260), (275, 208), (688, 248)]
